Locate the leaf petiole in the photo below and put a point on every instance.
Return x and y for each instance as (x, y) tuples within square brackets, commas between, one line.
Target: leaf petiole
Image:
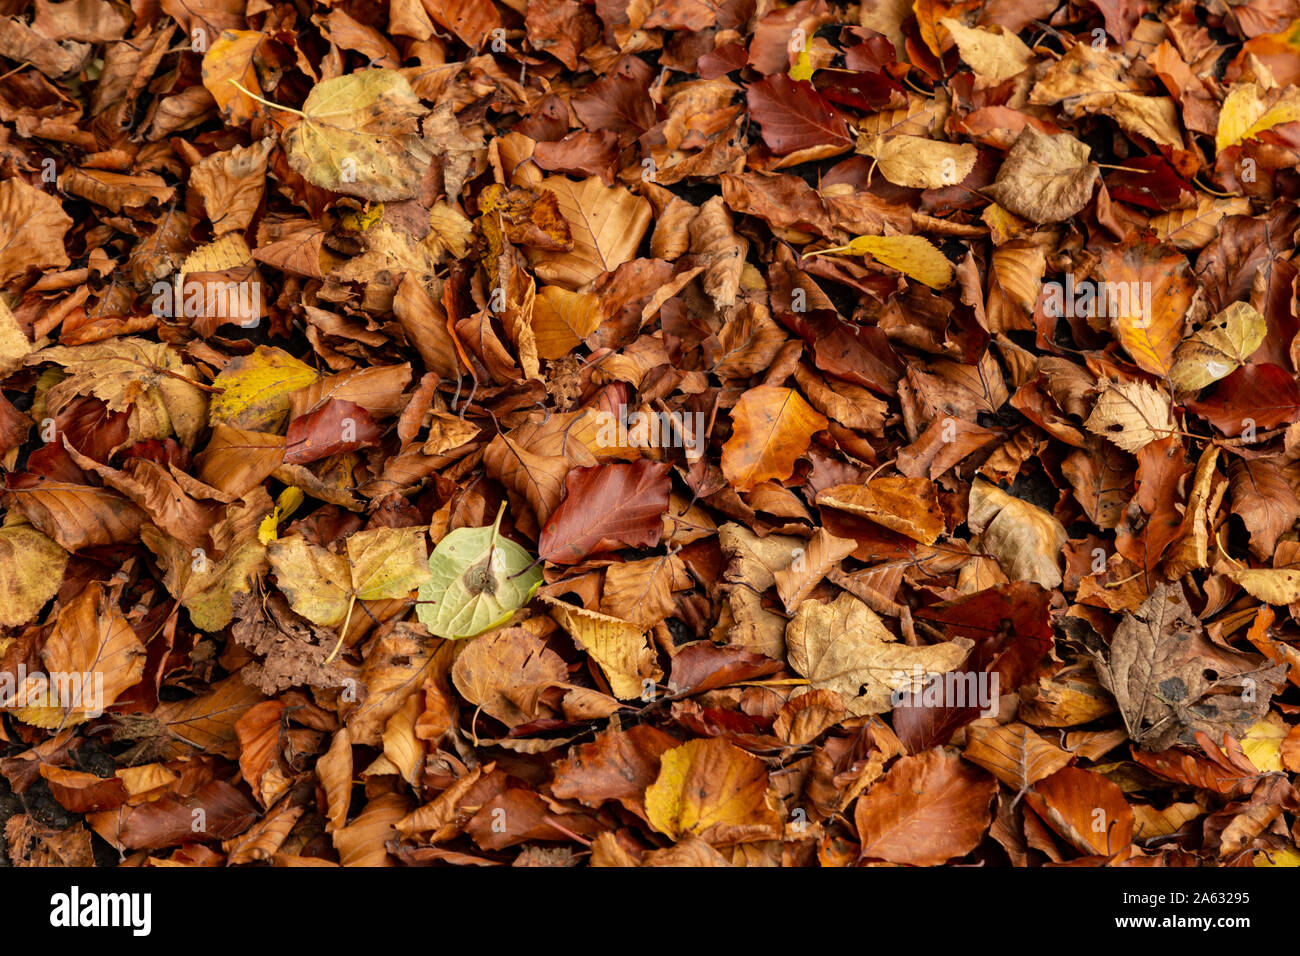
[(287, 109), (343, 631)]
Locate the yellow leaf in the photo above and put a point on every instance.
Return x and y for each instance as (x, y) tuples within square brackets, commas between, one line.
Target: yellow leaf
[(803, 68), (914, 256), (844, 647), (619, 647), (1218, 348), (1285, 857), (1248, 111), (255, 389), (562, 319), (31, 570), (317, 582), (286, 504), (921, 163), (359, 220), (359, 134), (994, 57), (713, 790), (1279, 586), (321, 586), (233, 57), (1263, 742)]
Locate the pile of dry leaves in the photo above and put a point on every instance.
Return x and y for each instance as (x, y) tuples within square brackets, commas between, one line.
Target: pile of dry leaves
[(650, 432)]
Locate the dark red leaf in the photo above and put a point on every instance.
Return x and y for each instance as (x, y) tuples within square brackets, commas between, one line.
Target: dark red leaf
[(607, 507)]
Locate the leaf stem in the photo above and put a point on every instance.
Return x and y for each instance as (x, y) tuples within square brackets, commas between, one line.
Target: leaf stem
[(287, 109), (496, 533), (343, 631)]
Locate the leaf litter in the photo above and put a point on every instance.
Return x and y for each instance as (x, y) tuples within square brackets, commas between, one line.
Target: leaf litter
[(651, 434)]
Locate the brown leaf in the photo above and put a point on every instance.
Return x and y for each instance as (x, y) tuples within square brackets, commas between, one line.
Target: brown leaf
[(606, 507), (927, 810)]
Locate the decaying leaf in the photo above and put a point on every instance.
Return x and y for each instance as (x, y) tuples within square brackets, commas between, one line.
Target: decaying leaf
[(1171, 682)]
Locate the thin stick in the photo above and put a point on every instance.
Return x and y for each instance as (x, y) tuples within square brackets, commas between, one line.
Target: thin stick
[(22, 66)]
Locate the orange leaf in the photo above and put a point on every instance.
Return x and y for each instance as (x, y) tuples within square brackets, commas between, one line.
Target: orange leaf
[(772, 427)]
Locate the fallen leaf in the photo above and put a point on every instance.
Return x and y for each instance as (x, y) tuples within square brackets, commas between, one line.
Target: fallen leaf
[(714, 791), (1045, 178), (844, 646), (926, 810), (771, 428)]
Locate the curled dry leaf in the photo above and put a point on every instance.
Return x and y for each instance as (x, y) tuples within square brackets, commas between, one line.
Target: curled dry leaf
[(909, 506), (920, 163), (1045, 178), (1025, 539)]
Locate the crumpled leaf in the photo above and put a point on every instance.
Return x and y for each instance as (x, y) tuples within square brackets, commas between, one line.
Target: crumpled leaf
[(148, 379), (1026, 540), (95, 655), (619, 647), (1170, 682), (844, 646), (1045, 178)]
